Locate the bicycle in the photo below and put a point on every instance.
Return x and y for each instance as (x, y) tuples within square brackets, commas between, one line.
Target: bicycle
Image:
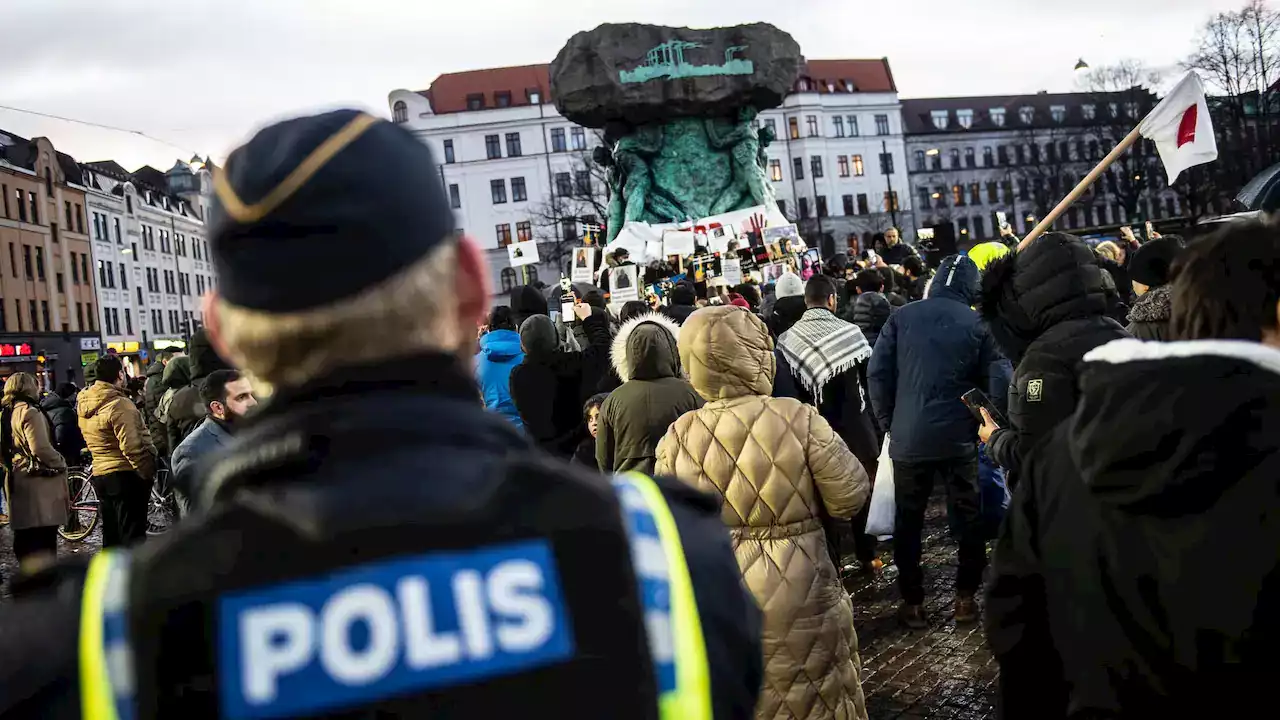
[(82, 505), (162, 508)]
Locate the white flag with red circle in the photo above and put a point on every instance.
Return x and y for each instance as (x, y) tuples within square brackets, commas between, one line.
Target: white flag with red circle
[(1181, 129)]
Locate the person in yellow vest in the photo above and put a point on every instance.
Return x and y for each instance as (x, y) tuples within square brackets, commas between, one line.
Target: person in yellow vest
[(983, 253), (373, 543)]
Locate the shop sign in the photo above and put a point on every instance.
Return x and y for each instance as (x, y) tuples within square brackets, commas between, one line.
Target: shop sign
[(130, 346), (91, 343), (9, 350), (88, 358), (164, 344)]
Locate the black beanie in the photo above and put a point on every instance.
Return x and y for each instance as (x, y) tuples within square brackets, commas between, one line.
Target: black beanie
[(317, 209), (1150, 263)]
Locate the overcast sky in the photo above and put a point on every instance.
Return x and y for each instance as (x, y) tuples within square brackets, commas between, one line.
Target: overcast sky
[(203, 74)]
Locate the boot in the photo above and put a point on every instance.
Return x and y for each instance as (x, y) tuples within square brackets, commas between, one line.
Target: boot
[(912, 616), (966, 609)]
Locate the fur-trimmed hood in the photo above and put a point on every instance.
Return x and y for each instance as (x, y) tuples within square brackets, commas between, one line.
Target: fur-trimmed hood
[(1023, 294), (649, 352)]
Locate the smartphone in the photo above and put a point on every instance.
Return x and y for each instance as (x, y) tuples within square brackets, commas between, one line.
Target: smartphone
[(872, 257), (566, 299), (1002, 220), (975, 399), (1150, 230)]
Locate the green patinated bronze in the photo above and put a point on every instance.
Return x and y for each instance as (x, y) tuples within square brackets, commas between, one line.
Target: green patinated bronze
[(687, 169), (667, 61)]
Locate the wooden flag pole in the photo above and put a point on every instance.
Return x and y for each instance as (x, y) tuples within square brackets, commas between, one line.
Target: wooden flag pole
[(1079, 190)]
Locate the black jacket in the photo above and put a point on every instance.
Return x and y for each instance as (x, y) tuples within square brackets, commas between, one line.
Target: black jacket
[(1149, 317), (785, 313), (1046, 307), (897, 254), (684, 301), (870, 312), (1137, 574), (66, 428), (404, 438), (548, 386)]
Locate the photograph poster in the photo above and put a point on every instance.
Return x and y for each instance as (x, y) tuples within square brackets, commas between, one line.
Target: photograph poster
[(584, 265), (623, 284), (523, 253)]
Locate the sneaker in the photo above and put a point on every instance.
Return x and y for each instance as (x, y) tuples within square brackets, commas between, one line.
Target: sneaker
[(912, 616), (966, 609)]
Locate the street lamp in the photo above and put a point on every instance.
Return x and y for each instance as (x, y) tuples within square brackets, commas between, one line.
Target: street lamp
[(1082, 65), (932, 151), (195, 163)]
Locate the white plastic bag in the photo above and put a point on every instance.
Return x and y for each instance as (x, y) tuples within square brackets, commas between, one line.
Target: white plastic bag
[(880, 517)]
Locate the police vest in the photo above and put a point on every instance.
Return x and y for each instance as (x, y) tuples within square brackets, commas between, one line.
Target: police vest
[(521, 624)]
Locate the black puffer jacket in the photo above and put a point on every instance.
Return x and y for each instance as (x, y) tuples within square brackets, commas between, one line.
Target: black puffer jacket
[(526, 301), (66, 427), (1136, 574), (683, 303), (1149, 316), (548, 386), (785, 313), (871, 311), (1046, 307)]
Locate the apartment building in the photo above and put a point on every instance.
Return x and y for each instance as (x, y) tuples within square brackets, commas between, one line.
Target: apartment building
[(48, 304)]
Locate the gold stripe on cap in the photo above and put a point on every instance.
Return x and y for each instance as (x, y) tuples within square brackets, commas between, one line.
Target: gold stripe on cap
[(318, 158)]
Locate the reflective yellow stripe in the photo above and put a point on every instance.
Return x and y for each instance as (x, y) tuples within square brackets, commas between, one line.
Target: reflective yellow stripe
[(96, 699), (691, 700)]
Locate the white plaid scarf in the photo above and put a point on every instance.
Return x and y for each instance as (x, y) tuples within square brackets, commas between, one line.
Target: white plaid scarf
[(821, 346)]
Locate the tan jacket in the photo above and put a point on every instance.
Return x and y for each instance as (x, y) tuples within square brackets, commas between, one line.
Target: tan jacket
[(777, 466), (38, 500), (114, 432)]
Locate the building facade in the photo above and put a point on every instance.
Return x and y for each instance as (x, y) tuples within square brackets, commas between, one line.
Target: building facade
[(150, 256), (973, 157), (48, 305), (515, 169)]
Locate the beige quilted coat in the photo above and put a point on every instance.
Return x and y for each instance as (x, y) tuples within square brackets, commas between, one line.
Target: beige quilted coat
[(776, 464)]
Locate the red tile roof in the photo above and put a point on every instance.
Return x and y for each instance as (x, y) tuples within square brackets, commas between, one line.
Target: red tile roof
[(449, 92)]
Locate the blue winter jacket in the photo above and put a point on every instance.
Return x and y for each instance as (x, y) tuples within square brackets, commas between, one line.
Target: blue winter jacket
[(929, 353), (499, 353)]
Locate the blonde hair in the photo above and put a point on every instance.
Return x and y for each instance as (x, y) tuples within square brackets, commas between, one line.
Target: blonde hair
[(23, 384), (1109, 250), (413, 311)]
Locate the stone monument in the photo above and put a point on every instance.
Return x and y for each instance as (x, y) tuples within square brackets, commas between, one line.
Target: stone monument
[(678, 109)]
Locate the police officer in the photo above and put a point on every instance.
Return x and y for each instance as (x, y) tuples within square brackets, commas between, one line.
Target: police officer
[(375, 543)]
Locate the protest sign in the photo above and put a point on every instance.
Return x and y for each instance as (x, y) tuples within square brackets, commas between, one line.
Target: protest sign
[(584, 264), (523, 253), (677, 242), (731, 271), (624, 284)]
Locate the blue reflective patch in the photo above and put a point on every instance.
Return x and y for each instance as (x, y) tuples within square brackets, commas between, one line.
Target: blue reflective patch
[(385, 629)]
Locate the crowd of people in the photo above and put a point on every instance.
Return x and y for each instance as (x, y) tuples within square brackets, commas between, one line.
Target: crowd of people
[(645, 510)]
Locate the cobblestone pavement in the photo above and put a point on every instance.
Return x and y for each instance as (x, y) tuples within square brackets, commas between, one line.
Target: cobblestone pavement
[(943, 672)]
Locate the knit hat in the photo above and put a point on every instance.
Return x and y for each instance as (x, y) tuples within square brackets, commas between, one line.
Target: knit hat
[(317, 209), (789, 285), (1150, 263)]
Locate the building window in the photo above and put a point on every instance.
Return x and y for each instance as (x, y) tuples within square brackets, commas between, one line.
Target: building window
[(939, 118), (993, 192), (822, 206), (67, 207), (128, 321), (39, 263), (504, 234), (502, 98), (557, 140), (1020, 154), (1058, 113), (513, 144), (782, 207), (400, 112), (455, 197), (578, 138), (843, 162), (882, 124), (975, 194), (569, 229), (957, 195), (955, 158), (997, 116), (891, 201), (970, 160), (518, 191), (1089, 112), (498, 190), (124, 278), (582, 182), (564, 184), (852, 122), (475, 101), (858, 170), (4, 195), (935, 162), (35, 315), (449, 158), (22, 207), (1026, 114), (793, 128), (846, 201), (35, 207), (119, 239), (964, 118), (811, 125), (804, 207), (26, 261), (60, 282), (797, 168), (923, 193), (864, 207), (775, 170), (815, 163), (838, 123), (492, 147), (508, 279), (919, 156), (988, 157), (771, 124), (524, 231), (886, 163)]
